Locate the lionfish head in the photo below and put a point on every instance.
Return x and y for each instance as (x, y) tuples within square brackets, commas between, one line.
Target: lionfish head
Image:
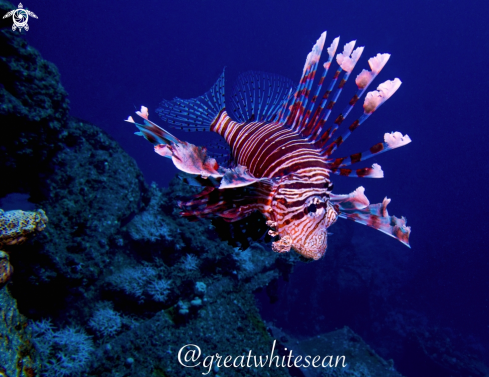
[(305, 228)]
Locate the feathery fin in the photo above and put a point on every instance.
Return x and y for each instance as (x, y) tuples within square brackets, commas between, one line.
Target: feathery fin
[(196, 114), (259, 96), (192, 159)]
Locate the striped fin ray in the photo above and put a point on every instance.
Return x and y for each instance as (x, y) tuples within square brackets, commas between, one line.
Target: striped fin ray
[(295, 108), (300, 98), (306, 126), (320, 118), (392, 141), (347, 61), (284, 111), (314, 126), (363, 80), (373, 101), (196, 114), (317, 122), (307, 80), (374, 172), (259, 96)]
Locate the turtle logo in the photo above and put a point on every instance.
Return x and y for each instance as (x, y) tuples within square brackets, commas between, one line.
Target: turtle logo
[(20, 17)]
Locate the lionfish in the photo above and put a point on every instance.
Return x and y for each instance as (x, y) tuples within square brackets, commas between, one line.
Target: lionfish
[(281, 151)]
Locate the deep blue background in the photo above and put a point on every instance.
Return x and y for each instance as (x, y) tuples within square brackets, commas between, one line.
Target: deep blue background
[(114, 56)]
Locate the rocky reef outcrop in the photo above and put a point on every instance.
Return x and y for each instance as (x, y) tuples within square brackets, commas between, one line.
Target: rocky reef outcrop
[(117, 283), (116, 273)]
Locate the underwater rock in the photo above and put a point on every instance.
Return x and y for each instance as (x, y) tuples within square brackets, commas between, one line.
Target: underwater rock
[(17, 355), (6, 269), (84, 181), (435, 354), (98, 240), (359, 358), (228, 323), (33, 107)]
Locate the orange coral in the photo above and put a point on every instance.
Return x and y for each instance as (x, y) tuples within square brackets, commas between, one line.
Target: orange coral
[(16, 226), (6, 269)]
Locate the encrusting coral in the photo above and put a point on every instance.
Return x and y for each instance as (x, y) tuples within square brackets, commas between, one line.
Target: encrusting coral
[(6, 269), (15, 227)]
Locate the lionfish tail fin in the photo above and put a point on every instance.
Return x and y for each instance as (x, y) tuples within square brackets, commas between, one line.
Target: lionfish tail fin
[(196, 114), (356, 207)]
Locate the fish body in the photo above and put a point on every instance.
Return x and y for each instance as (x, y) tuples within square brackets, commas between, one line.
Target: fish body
[(296, 203), (281, 151)]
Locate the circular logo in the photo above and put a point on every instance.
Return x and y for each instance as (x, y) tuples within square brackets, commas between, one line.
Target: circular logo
[(20, 17)]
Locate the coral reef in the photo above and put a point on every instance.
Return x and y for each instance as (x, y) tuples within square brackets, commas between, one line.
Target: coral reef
[(18, 357), (360, 360), (64, 352), (115, 259), (16, 226), (6, 269), (118, 283)]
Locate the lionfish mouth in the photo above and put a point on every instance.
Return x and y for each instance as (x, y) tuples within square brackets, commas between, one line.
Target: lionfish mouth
[(315, 246), (309, 238)]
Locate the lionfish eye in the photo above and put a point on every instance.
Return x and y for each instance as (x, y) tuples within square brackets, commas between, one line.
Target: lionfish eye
[(312, 208)]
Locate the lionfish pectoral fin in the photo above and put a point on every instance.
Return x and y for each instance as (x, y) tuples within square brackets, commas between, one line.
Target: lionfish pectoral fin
[(151, 131), (186, 157), (356, 207)]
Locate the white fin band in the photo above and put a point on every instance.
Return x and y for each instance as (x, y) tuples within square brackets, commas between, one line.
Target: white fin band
[(377, 171), (396, 140), (332, 49), (377, 97), (143, 113), (349, 63), (347, 50), (378, 62), (315, 54)]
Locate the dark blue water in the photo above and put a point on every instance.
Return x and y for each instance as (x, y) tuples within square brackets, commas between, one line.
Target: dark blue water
[(115, 56)]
